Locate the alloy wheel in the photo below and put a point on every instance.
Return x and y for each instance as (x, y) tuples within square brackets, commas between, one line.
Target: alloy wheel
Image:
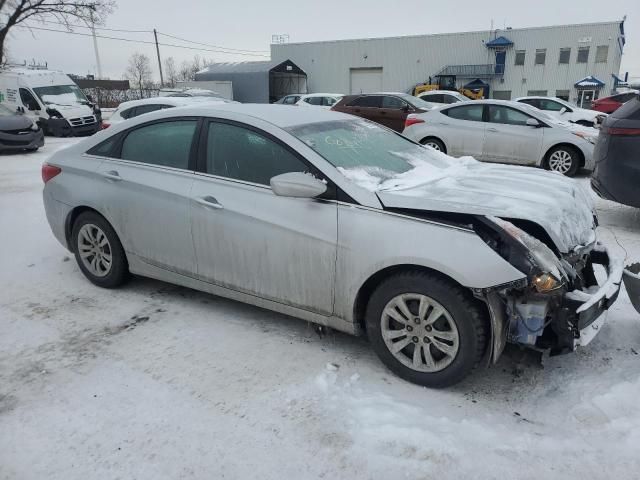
[(95, 250), (560, 161), (419, 332)]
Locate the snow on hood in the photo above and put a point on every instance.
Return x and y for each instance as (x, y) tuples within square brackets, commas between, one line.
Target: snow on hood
[(558, 204)]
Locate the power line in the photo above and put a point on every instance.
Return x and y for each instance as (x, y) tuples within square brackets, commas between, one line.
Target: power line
[(130, 40), (73, 25), (209, 45)]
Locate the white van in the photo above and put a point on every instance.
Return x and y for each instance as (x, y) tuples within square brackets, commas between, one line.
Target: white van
[(50, 99)]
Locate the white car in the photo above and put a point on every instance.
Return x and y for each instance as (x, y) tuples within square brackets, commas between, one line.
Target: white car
[(436, 98), (566, 111), (325, 100), (134, 108), (504, 132)]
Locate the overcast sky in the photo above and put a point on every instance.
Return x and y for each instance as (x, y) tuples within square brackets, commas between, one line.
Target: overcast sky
[(249, 24)]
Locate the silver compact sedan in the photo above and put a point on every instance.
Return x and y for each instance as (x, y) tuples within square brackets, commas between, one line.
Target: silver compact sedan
[(338, 221)]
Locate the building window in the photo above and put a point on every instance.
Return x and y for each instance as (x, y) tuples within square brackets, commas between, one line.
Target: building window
[(602, 52), (537, 93), (502, 94), (563, 94), (565, 55), (583, 55), (541, 55), (520, 57)]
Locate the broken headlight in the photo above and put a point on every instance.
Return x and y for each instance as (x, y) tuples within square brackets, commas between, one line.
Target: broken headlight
[(526, 253)]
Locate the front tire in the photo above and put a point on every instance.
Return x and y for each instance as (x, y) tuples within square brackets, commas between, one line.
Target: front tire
[(564, 160), (98, 251), (426, 329)]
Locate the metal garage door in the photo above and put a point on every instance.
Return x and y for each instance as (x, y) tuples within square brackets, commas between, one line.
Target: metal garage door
[(366, 80)]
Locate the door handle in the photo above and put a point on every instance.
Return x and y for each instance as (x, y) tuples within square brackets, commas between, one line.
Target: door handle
[(209, 202), (112, 175), (492, 129)]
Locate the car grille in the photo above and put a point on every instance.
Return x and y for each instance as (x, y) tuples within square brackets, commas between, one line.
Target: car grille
[(80, 121), (22, 131), (15, 143)]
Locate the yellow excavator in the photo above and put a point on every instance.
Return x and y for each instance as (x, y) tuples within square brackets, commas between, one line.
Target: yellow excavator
[(447, 82)]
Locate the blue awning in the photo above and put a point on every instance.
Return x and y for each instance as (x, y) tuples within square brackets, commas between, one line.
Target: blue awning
[(499, 42), (588, 82)]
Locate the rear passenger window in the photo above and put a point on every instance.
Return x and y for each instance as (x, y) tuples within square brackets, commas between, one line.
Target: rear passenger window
[(371, 101), (167, 144), (242, 154), (104, 149), (290, 100), (534, 102), (435, 98), (314, 100), (467, 112)]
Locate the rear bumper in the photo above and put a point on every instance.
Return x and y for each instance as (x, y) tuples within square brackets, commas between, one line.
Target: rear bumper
[(26, 141), (57, 214)]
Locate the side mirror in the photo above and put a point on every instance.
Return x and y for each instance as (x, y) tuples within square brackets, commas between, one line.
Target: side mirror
[(532, 122), (90, 98), (20, 109), (297, 184), (407, 109)]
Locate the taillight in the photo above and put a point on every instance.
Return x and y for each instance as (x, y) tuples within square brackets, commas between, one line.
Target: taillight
[(412, 121), (105, 125), (630, 132), (49, 171)]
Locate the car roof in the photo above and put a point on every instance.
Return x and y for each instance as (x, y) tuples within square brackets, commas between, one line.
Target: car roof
[(282, 116), (306, 95), (173, 101), (450, 92), (539, 97)]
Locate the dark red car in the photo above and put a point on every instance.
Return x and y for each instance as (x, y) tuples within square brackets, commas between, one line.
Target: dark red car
[(388, 109), (612, 103)]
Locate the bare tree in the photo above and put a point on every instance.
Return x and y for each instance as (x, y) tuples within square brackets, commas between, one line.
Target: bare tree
[(68, 12), (139, 72), (170, 72)]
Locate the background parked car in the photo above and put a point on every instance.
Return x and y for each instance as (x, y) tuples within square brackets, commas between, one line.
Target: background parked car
[(388, 109), (505, 132), (442, 97), (617, 156), (325, 100), (612, 103), (19, 132), (134, 108), (289, 99), (564, 110)]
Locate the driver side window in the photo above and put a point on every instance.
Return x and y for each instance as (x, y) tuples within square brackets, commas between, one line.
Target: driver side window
[(550, 105), (242, 154), (506, 115), (28, 100)]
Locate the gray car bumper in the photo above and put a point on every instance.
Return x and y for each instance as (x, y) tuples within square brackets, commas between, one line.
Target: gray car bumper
[(21, 141)]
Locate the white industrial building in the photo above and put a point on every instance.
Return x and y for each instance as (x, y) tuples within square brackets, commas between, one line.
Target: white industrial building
[(575, 62)]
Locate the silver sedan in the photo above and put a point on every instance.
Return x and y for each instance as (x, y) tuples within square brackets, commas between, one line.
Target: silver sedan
[(338, 221)]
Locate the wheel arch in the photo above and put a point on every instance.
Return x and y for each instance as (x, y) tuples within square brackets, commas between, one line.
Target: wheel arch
[(73, 215), (368, 287), (434, 137), (545, 158)]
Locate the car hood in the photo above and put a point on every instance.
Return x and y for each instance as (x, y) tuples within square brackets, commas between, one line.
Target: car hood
[(558, 204), (72, 111), (15, 122)]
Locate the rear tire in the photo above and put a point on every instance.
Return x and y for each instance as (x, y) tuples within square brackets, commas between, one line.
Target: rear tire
[(98, 251), (563, 159), (434, 143), (441, 321)]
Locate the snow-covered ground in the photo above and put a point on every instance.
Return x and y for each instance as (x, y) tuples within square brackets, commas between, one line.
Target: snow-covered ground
[(157, 382)]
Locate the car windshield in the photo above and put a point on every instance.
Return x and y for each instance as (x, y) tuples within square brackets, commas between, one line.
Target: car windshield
[(6, 112), (372, 156), (61, 95)]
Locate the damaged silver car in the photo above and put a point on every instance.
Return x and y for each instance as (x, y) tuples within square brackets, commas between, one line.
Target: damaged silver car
[(341, 222)]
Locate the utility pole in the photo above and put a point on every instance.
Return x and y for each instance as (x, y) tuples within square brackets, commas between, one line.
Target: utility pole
[(155, 35), (95, 46)]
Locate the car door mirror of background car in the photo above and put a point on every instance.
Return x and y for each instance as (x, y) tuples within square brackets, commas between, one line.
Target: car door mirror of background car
[(297, 184), (532, 122)]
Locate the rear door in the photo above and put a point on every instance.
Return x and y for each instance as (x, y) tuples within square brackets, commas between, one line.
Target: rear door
[(465, 129), (247, 238), (366, 106), (509, 139), (146, 196)]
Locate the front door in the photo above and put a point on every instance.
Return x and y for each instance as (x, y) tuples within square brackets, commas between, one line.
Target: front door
[(249, 239), (509, 139), (146, 193), (393, 112)]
